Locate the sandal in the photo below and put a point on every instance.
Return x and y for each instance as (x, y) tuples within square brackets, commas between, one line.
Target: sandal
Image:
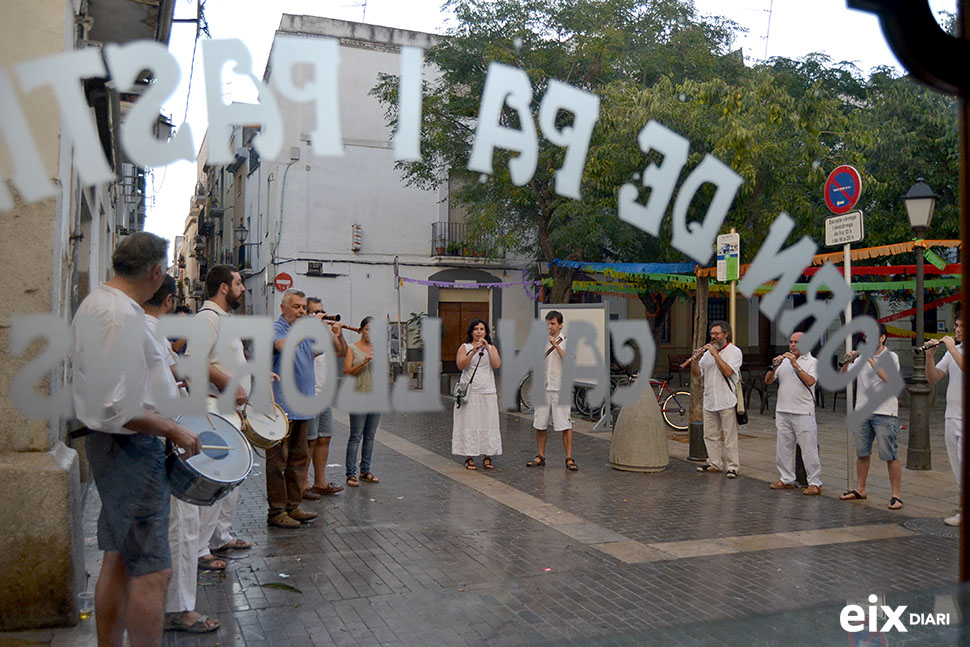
[(852, 495), (470, 463), (538, 461), (352, 481), (209, 563), (893, 501), (487, 463), (708, 468), (173, 622), (369, 478), (571, 464), (234, 544)]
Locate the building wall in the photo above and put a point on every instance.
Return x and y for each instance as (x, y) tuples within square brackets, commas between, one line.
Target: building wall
[(39, 475), (303, 207)]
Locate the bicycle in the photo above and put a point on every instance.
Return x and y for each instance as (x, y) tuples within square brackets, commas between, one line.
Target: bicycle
[(579, 403), (676, 405)]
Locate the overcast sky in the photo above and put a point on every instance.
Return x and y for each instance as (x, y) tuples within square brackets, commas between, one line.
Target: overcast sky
[(790, 28)]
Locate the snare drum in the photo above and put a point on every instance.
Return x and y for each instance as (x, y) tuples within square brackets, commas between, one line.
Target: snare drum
[(265, 430), (212, 474)]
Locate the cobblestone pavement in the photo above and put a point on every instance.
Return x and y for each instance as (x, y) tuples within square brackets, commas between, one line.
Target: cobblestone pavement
[(436, 554)]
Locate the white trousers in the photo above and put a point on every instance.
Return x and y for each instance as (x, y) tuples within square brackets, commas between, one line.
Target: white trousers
[(215, 521), (800, 429), (183, 539), (953, 435), (722, 454)]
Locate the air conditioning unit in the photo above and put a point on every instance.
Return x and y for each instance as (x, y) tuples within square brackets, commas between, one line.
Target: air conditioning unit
[(314, 268)]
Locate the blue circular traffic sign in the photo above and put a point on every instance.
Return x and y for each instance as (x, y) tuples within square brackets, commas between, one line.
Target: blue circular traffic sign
[(842, 189)]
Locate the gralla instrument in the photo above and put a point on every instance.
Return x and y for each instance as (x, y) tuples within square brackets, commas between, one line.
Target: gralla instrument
[(697, 353)]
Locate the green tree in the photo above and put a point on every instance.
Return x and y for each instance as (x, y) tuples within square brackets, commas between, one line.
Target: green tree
[(590, 44)]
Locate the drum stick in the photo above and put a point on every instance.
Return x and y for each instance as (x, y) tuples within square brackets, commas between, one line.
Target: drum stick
[(211, 447)]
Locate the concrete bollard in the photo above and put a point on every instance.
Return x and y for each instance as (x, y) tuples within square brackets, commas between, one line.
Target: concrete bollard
[(639, 442)]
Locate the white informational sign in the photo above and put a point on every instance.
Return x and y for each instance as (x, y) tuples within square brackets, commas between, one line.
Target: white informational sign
[(841, 230), (728, 257)]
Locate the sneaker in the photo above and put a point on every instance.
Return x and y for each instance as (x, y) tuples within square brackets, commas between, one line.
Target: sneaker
[(301, 515), (812, 490), (954, 520), (283, 520), (781, 485)]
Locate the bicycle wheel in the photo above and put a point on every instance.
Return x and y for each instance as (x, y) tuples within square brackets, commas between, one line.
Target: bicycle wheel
[(525, 394), (579, 401), (676, 410)]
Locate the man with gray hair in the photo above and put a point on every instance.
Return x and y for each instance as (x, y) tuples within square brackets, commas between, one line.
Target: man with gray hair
[(111, 364), (720, 367), (286, 463)]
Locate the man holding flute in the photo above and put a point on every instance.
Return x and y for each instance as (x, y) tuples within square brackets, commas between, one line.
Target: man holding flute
[(719, 364), (795, 417)]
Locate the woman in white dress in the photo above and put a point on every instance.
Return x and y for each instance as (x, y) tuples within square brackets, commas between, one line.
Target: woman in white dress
[(476, 427)]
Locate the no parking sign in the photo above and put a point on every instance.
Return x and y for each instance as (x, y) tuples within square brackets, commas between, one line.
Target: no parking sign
[(842, 189)]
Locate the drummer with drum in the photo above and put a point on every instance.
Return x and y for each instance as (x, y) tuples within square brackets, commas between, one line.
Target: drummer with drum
[(125, 454), (224, 291), (286, 463)]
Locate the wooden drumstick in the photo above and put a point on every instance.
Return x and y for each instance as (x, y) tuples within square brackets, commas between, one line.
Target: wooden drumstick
[(212, 447)]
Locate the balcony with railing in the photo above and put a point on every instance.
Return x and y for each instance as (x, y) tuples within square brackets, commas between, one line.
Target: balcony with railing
[(457, 239)]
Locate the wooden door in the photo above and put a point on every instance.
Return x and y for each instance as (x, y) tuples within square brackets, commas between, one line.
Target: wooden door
[(455, 319)]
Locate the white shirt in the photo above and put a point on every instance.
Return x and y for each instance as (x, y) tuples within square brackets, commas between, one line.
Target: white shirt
[(794, 396), (319, 373), (210, 313), (868, 381), (954, 390), (160, 378), (718, 395), (554, 366), (121, 327)]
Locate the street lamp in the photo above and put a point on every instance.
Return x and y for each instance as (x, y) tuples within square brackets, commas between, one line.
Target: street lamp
[(242, 233), (920, 201)]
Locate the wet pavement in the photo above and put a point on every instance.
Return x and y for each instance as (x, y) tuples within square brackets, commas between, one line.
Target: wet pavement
[(517, 556)]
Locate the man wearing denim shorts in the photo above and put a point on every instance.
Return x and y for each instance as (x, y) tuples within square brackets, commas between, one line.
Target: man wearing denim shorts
[(111, 363), (882, 425), (553, 412), (320, 429)]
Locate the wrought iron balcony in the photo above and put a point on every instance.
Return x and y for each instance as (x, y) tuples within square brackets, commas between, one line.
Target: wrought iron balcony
[(456, 239)]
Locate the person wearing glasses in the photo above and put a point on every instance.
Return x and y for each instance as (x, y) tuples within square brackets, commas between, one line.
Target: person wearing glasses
[(720, 367)]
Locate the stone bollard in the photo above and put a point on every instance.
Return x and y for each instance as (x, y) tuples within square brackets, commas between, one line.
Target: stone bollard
[(639, 442)]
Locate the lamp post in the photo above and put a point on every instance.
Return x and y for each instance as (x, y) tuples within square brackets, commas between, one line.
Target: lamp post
[(919, 201), (242, 233)]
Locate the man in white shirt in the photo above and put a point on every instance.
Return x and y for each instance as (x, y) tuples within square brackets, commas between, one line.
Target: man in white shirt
[(553, 411), (951, 365), (183, 527), (795, 417), (720, 367), (125, 453), (224, 290), (320, 429), (883, 425)]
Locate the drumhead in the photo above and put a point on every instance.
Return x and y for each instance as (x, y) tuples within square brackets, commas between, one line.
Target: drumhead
[(212, 406), (220, 465), (273, 427)]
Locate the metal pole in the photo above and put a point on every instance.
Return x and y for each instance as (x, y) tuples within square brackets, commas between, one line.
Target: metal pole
[(963, 29), (733, 306), (918, 452), (849, 442)]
